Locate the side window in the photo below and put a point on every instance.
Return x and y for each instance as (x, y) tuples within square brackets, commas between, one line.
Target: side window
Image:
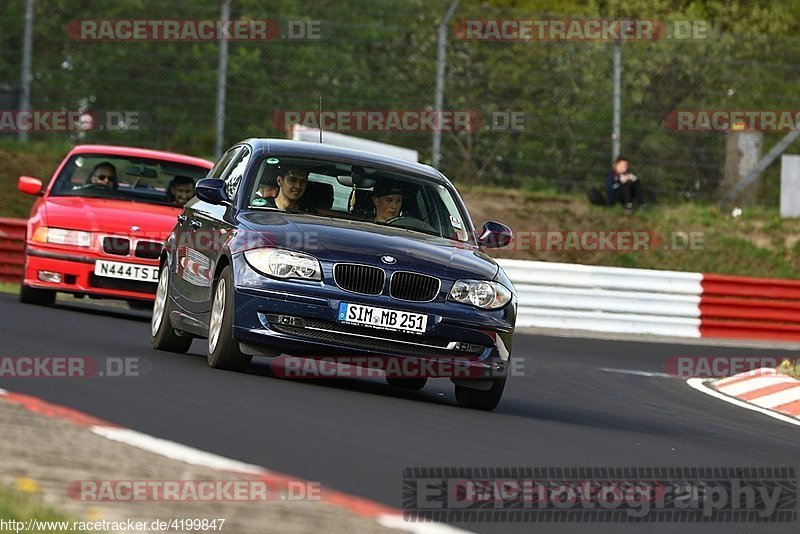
[(452, 221), (222, 164), (234, 176)]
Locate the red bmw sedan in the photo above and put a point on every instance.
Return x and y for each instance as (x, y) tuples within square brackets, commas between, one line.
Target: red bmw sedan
[(97, 229)]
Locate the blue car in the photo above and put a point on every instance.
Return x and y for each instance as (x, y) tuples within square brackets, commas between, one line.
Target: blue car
[(321, 252)]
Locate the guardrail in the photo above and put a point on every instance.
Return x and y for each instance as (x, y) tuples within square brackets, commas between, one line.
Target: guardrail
[(604, 299), (645, 301), (12, 249), (743, 307)]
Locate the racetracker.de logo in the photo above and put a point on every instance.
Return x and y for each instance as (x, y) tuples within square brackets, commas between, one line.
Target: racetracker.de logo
[(722, 366), (381, 120), (192, 490), (611, 240), (732, 120), (193, 30), (68, 367), (579, 30), (40, 120)]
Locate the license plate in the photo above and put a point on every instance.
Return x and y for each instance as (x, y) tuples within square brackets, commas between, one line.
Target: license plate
[(126, 271), (382, 318)]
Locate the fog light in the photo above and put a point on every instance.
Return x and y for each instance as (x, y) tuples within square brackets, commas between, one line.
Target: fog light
[(287, 320), (47, 276)]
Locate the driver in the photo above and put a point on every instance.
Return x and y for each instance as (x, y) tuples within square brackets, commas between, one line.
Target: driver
[(103, 174), (387, 196)]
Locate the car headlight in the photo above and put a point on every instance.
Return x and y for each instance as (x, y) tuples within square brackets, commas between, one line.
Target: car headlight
[(284, 263), (481, 294), (62, 236)]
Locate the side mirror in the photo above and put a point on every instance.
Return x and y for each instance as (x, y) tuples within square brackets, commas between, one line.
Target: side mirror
[(30, 185), (211, 190), (494, 235)]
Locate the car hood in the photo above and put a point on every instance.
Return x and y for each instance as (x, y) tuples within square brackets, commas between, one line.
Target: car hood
[(110, 216), (337, 240)]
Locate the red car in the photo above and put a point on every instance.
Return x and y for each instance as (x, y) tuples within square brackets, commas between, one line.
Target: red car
[(98, 227)]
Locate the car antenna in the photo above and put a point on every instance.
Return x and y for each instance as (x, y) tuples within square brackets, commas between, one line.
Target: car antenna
[(320, 119)]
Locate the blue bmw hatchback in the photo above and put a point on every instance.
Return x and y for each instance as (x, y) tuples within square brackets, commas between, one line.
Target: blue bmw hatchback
[(318, 252)]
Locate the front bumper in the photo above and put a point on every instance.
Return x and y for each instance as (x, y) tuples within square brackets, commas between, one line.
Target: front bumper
[(76, 268), (301, 318)]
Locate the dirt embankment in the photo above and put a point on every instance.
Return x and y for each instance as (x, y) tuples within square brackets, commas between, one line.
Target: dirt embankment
[(57, 454)]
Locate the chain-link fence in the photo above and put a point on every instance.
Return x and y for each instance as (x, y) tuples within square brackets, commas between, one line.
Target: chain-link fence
[(545, 106)]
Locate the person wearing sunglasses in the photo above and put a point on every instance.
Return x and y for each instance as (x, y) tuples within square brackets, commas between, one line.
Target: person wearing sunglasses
[(104, 175)]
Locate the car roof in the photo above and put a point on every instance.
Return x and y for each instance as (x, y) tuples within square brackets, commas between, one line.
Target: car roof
[(287, 147), (128, 151)]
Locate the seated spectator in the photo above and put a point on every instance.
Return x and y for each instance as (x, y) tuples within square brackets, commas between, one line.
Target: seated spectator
[(623, 186)]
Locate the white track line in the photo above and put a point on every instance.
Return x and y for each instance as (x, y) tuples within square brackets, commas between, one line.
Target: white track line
[(422, 527), (176, 451), (193, 456), (637, 373), (699, 385)]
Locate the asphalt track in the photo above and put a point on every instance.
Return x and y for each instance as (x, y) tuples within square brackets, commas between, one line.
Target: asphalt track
[(356, 435)]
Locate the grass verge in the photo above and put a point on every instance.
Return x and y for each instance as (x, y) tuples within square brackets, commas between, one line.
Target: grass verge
[(26, 507), (9, 287)]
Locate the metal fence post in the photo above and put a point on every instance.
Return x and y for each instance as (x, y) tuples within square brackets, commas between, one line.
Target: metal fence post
[(27, 51), (615, 136), (222, 78), (439, 97)]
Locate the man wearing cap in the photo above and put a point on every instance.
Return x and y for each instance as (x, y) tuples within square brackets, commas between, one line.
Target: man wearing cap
[(387, 196)]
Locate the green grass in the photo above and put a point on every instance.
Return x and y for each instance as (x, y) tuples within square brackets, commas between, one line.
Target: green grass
[(8, 287), (757, 243), (24, 507)]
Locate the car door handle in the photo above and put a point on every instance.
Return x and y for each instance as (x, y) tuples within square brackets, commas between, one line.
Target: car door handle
[(194, 223), (182, 218)]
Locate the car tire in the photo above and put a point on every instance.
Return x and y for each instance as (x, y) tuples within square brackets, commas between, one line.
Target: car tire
[(410, 383), (162, 334), (478, 399), (223, 349), (40, 297)]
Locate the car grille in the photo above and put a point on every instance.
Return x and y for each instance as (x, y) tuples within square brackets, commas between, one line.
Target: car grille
[(359, 278), (413, 286), (149, 250), (374, 339), (121, 246), (118, 246), (137, 286)]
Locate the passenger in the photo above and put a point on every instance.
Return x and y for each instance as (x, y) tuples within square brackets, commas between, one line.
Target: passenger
[(292, 184), (387, 196), (267, 190), (181, 190)]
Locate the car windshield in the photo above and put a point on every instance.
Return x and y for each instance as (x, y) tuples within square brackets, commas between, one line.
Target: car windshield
[(125, 178), (352, 192)]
